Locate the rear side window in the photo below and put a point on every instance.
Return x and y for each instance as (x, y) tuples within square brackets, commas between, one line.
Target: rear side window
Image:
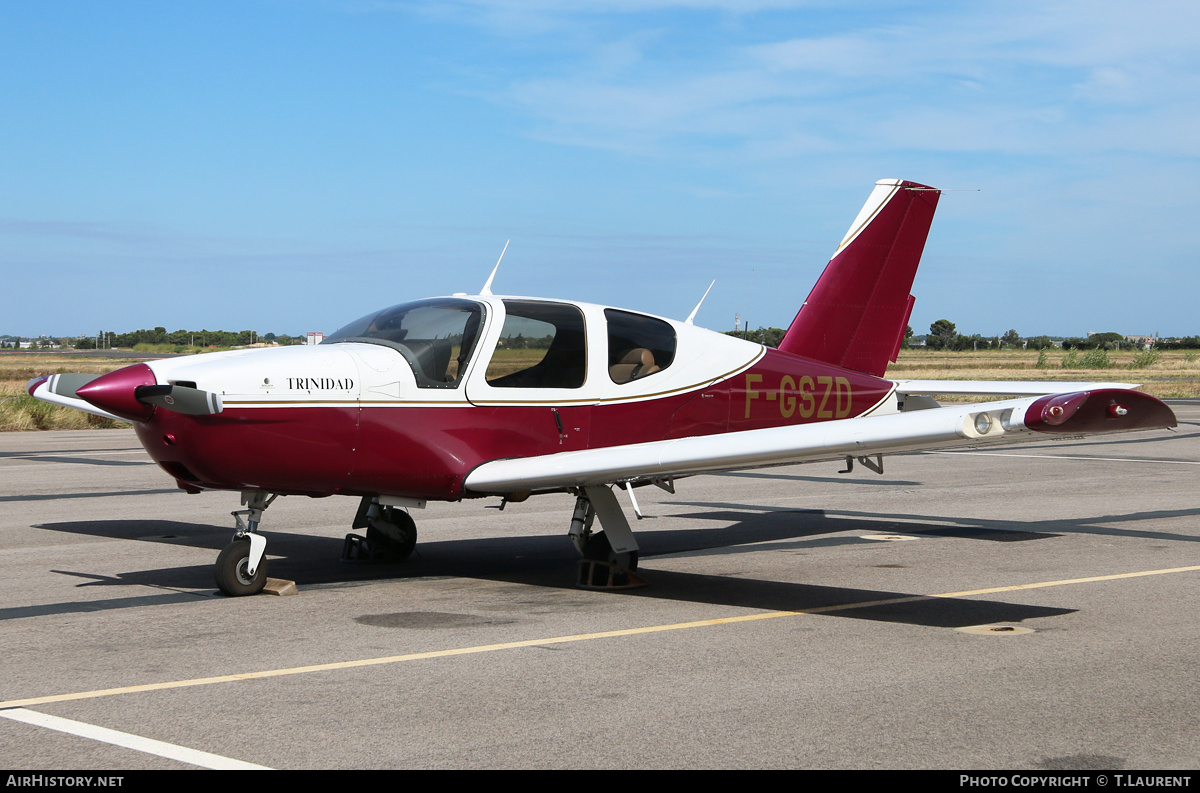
[(542, 345), (638, 346)]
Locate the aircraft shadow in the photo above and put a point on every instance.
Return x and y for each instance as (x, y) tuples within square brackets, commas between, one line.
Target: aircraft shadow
[(75, 460), (991, 529), (551, 562), (807, 523), (903, 607)]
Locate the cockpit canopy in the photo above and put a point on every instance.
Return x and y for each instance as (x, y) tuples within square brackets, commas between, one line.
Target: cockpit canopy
[(542, 344), (436, 336)]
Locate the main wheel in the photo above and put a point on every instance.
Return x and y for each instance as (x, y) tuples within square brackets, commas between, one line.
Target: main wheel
[(232, 564), (395, 530)]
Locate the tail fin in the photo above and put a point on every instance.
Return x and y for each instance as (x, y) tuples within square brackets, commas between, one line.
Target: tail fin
[(856, 314)]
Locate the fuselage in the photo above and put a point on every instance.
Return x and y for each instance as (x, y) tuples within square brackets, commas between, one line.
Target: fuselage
[(407, 403)]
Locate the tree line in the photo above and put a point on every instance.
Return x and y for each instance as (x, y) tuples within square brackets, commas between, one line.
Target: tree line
[(180, 338), (943, 335)]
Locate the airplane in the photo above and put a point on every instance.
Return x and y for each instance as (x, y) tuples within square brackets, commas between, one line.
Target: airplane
[(427, 400)]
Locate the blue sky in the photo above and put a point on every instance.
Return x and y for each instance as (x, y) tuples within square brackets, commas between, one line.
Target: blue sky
[(291, 165)]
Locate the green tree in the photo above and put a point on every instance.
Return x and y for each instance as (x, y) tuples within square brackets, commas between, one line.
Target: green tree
[(768, 336), (1039, 343), (942, 335)]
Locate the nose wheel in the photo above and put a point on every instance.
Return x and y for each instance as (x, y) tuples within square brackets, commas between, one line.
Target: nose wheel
[(233, 571), (242, 566)]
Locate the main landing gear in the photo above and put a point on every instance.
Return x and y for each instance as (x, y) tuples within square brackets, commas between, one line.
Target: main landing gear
[(391, 537), (391, 531), (609, 556), (242, 565)]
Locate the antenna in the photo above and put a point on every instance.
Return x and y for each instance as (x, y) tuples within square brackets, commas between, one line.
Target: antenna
[(487, 288), (692, 316)]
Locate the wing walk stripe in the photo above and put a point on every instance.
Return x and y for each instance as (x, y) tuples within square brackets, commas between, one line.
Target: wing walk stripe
[(485, 648)]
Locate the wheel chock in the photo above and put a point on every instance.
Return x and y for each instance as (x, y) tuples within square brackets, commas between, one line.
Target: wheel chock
[(279, 586), (606, 577)]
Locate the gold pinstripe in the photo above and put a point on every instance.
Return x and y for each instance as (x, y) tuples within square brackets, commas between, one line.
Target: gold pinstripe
[(498, 402)]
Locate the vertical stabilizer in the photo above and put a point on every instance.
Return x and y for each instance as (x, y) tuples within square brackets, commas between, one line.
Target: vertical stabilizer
[(856, 314)]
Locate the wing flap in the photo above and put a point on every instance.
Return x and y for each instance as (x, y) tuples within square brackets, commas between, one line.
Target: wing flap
[(1006, 421)]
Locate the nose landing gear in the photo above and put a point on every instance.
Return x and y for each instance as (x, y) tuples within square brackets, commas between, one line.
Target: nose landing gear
[(233, 571), (242, 567)]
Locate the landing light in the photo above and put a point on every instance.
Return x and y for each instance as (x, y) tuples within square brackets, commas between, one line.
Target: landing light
[(983, 423)]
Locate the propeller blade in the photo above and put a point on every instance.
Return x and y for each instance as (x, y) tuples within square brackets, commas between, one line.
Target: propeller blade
[(181, 399), (66, 383)]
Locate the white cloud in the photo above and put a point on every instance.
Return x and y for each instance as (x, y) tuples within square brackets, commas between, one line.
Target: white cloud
[(990, 79)]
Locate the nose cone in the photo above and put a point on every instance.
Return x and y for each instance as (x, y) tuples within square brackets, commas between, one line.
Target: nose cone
[(115, 392)]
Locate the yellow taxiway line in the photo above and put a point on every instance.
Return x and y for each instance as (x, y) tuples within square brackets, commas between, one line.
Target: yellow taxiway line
[(581, 637)]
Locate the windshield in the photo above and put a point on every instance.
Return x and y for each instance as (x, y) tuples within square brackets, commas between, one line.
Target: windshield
[(436, 337)]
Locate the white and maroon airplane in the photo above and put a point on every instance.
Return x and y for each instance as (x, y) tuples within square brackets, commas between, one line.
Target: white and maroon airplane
[(420, 402)]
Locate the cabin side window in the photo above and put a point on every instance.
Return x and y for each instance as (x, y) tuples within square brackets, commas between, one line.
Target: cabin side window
[(542, 345), (638, 346)]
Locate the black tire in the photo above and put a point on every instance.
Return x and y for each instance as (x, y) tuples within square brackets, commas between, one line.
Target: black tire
[(231, 570), (395, 531)]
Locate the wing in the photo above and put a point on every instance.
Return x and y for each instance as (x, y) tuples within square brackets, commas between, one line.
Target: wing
[(1006, 421)]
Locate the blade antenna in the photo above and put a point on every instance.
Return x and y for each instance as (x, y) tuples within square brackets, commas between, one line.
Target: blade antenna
[(487, 288), (692, 316)]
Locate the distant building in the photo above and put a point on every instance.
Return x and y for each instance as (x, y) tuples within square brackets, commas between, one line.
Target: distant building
[(315, 337)]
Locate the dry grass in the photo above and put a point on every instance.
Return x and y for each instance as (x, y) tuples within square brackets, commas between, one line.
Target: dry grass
[(1175, 374), (19, 411), (509, 361)]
